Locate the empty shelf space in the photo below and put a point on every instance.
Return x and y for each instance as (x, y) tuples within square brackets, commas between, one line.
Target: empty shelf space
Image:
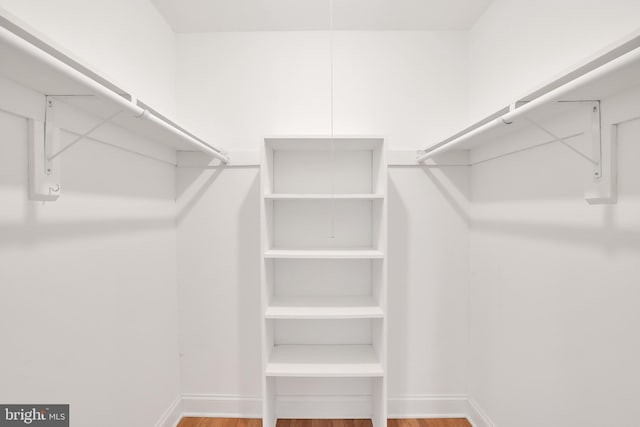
[(323, 361), (348, 307), (308, 196), (323, 254)]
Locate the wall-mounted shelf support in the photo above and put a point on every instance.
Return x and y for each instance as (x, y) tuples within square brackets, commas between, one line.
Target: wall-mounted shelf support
[(600, 187), (601, 180), (51, 106), (44, 170), (595, 161), (51, 135), (32, 62), (596, 140), (602, 184), (600, 77), (44, 152)]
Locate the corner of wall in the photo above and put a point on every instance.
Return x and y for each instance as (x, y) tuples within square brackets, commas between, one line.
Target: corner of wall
[(172, 416), (477, 416)]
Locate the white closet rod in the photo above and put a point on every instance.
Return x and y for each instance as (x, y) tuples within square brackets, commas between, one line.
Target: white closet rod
[(539, 102), (8, 36)]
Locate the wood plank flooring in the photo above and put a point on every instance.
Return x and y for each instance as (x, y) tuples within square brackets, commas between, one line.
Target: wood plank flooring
[(220, 422), (435, 422), (256, 422)]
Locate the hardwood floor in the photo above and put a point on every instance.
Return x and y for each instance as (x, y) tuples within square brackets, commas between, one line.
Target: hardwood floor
[(435, 422), (323, 423), (256, 422), (220, 422)]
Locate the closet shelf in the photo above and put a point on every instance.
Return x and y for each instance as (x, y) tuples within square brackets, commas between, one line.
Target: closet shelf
[(323, 143), (308, 196), (355, 307), (323, 254), (32, 62), (323, 361), (608, 73)]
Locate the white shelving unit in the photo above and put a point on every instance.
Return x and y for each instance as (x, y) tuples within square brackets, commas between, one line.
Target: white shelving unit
[(323, 284)]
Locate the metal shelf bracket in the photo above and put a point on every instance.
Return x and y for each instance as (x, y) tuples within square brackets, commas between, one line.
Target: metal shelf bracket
[(596, 140), (602, 183), (44, 152), (44, 171)]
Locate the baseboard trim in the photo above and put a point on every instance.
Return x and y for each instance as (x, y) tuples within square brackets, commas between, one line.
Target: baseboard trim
[(172, 415), (428, 406), (221, 405), (352, 406), (477, 416)]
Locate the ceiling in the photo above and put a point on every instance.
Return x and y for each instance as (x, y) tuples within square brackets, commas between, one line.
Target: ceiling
[(193, 16)]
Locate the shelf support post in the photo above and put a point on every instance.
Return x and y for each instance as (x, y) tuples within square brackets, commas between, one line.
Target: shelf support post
[(596, 140), (43, 140), (602, 183)]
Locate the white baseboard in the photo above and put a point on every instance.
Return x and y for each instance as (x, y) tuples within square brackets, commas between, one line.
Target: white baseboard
[(214, 405), (477, 416), (172, 415), (352, 406), (221, 405), (428, 406)]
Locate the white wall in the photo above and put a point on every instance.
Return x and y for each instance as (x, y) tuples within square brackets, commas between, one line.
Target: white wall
[(428, 278), (219, 281), (554, 293), (127, 41), (89, 306), (552, 278), (517, 45), (88, 313), (235, 88)]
